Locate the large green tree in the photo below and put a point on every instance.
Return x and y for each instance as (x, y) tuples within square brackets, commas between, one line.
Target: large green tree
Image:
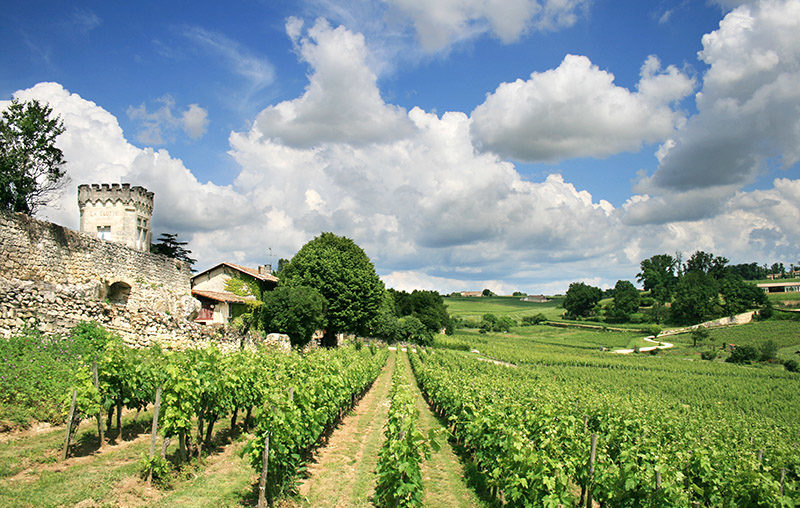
[(708, 263), (297, 311), (581, 299), (341, 271), (427, 306), (31, 165), (626, 301), (696, 298), (658, 276)]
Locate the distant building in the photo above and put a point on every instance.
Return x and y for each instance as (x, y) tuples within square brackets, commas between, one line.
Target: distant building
[(218, 305), (780, 287), (472, 293), (535, 299), (117, 213)]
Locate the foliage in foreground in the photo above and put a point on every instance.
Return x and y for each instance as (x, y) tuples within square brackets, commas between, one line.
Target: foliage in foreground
[(529, 429), (38, 371), (305, 396), (400, 459)]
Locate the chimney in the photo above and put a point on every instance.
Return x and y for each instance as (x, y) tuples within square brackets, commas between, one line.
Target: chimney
[(265, 269)]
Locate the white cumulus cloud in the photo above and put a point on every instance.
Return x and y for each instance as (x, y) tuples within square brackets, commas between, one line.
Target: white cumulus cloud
[(341, 103), (576, 110), (748, 119)]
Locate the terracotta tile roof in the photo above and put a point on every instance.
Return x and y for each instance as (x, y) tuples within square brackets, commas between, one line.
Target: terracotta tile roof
[(222, 296), (253, 272)]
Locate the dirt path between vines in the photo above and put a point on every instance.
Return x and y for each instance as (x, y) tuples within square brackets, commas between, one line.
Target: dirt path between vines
[(442, 474), (343, 472)]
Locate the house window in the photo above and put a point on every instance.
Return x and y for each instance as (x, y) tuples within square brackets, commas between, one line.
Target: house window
[(104, 232)]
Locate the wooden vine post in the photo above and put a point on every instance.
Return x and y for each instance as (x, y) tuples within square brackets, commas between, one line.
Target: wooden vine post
[(783, 479), (153, 436), (69, 423), (592, 454), (100, 412), (262, 482)]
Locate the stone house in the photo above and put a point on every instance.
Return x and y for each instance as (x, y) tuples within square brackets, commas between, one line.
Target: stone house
[(218, 303)]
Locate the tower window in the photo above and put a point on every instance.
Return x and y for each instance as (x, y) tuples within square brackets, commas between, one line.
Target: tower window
[(104, 232)]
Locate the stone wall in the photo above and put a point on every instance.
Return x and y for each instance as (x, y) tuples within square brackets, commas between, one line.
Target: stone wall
[(51, 278)]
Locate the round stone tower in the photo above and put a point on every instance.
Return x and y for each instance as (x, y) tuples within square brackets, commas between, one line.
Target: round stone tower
[(118, 213)]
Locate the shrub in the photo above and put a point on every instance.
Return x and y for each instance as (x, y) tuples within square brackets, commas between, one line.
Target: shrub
[(36, 371), (533, 320), (790, 365), (769, 350), (744, 354), (653, 330), (709, 354), (765, 313)]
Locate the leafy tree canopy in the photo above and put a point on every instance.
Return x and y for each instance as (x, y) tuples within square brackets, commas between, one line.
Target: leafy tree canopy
[(658, 275), (169, 246), (706, 262), (626, 297), (696, 298), (427, 306), (31, 166), (297, 311), (581, 299), (341, 271)]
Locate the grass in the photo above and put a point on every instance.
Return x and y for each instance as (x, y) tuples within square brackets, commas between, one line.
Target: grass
[(475, 307)]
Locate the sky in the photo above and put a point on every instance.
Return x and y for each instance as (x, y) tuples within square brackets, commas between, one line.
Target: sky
[(515, 145)]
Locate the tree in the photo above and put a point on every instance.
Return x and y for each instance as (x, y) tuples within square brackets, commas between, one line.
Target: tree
[(427, 306), (700, 334), (581, 299), (696, 298), (341, 271), (738, 295), (487, 292), (658, 276), (282, 262), (412, 330), (705, 262), (30, 163), (626, 298), (297, 311), (169, 246)]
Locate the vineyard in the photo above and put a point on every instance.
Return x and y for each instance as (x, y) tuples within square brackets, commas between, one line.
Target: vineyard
[(628, 436), (551, 419)]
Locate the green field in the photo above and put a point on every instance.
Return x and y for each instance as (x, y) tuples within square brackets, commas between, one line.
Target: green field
[(475, 307)]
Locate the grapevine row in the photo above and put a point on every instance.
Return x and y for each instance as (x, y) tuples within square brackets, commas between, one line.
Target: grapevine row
[(399, 467), (530, 434)]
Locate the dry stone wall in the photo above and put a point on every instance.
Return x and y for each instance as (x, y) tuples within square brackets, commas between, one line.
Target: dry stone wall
[(51, 278)]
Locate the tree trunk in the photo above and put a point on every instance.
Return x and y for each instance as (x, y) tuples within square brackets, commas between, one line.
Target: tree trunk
[(119, 419), (233, 419), (329, 339), (182, 444), (247, 419), (210, 430)]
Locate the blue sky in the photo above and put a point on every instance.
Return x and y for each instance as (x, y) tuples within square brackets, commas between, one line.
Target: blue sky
[(511, 144)]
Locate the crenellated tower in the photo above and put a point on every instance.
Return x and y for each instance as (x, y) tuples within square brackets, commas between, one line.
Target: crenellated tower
[(118, 213)]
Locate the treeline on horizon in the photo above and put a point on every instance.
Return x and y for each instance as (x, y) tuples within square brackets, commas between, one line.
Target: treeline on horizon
[(703, 287)]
